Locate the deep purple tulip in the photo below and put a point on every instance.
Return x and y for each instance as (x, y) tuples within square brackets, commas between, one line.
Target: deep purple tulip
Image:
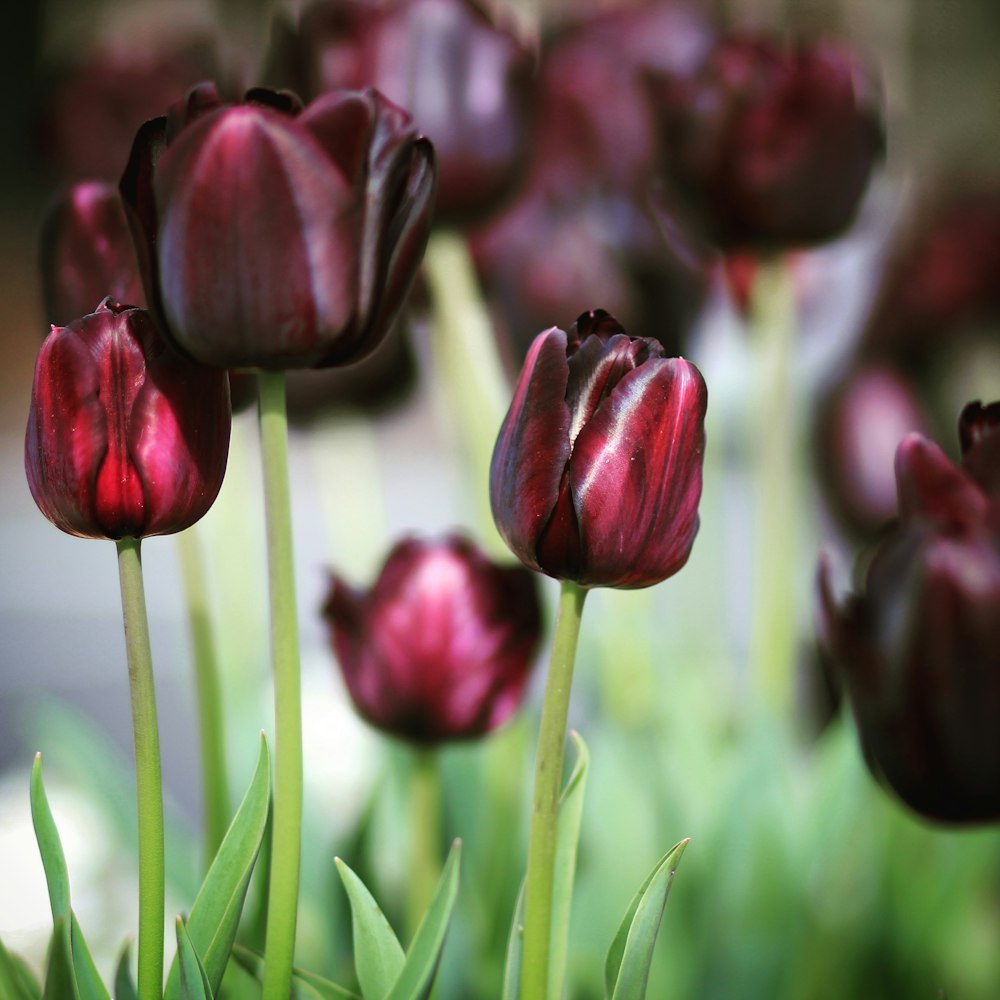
[(464, 75), (772, 147), (87, 253), (919, 647), (441, 647), (125, 438), (277, 237), (596, 474)]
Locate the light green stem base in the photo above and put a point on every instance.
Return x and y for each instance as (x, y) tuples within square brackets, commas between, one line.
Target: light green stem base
[(545, 804), (773, 636), (208, 687), (148, 781), (425, 835), (286, 850)]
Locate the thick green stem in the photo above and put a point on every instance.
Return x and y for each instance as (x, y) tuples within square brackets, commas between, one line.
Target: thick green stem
[(467, 363), (545, 804), (214, 784), (425, 835), (148, 782), (283, 893), (773, 635)]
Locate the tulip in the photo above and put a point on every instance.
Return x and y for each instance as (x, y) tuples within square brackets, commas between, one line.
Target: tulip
[(919, 647), (464, 75), (772, 147), (87, 253), (277, 237), (441, 647), (125, 438), (596, 474)]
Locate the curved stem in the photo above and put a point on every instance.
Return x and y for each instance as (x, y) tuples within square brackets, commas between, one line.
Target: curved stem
[(215, 786), (286, 849), (148, 782), (425, 835), (545, 804)]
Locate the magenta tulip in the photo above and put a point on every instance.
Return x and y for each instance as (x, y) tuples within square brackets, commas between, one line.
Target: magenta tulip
[(918, 648), (596, 474), (125, 438), (278, 237), (441, 647)]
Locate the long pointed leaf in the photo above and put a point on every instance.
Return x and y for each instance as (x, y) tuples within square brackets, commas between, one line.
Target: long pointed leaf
[(16, 981), (378, 955), (515, 952), (193, 981), (626, 971), (567, 839), (60, 983), (50, 847), (124, 984), (88, 979), (215, 915), (417, 977)]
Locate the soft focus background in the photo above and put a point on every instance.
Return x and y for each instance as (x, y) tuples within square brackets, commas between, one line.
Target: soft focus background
[(802, 879)]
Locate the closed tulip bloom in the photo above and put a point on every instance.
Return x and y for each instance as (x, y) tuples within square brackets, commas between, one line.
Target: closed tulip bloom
[(125, 438), (87, 253), (596, 473), (441, 647), (919, 647), (279, 237)]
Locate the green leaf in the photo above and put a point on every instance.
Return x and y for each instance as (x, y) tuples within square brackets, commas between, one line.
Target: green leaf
[(124, 984), (16, 980), (50, 848), (60, 982), (626, 970), (378, 955), (88, 979), (417, 977), (303, 983), (193, 981), (567, 839), (515, 952), (215, 915)]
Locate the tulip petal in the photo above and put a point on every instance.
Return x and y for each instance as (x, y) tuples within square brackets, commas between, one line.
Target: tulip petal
[(635, 474), (979, 430), (532, 448)]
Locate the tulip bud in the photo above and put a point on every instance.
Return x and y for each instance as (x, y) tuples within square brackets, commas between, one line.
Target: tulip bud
[(772, 147), (125, 438), (87, 253), (273, 237), (441, 647), (596, 473), (919, 647)]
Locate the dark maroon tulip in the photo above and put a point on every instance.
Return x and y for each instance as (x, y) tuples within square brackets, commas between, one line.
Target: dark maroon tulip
[(919, 647), (441, 647), (770, 146), (464, 76), (87, 253), (125, 438), (860, 427), (278, 237), (596, 474), (100, 95)]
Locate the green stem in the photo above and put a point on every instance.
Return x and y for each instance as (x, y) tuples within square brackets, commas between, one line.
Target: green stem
[(468, 364), (283, 893), (545, 804), (425, 835), (214, 784), (148, 782), (773, 629)]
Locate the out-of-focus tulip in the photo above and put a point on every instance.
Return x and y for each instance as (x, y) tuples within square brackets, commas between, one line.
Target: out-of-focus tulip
[(276, 237), (772, 147), (87, 253), (919, 647), (442, 645), (464, 76), (99, 94), (859, 429), (125, 438), (596, 474)]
